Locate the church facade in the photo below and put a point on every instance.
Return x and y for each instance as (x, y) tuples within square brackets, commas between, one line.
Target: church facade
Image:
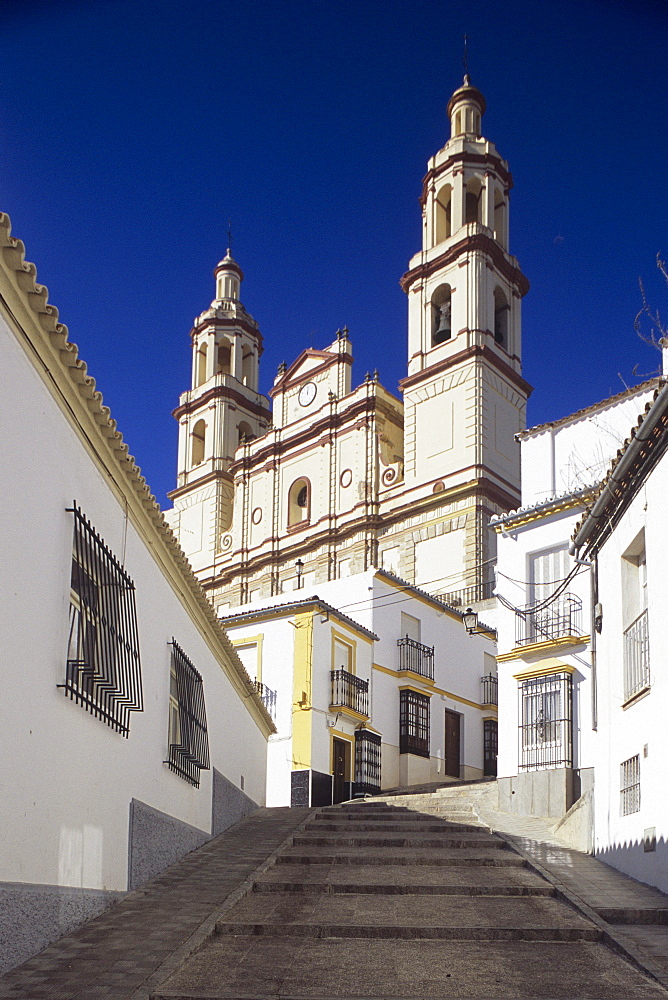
[(326, 480)]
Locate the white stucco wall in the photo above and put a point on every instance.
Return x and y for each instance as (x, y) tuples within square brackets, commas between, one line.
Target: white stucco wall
[(635, 727), (67, 795)]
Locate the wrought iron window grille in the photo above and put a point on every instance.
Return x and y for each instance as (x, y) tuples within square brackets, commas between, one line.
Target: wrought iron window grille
[(414, 723), (349, 691), (367, 761), (268, 697), (490, 689), (636, 657), (188, 736), (546, 722), (630, 786), (417, 657), (544, 623), (103, 670)]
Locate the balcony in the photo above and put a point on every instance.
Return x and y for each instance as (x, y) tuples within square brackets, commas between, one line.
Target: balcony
[(490, 689), (468, 596), (416, 657), (636, 657), (268, 697), (561, 619), (350, 692)]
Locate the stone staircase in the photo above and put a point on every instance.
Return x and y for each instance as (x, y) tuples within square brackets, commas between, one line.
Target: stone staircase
[(377, 900)]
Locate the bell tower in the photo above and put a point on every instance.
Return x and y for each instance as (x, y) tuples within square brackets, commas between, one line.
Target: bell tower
[(222, 409), (464, 394)]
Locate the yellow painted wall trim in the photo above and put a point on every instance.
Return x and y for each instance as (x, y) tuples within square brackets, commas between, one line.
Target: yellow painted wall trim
[(434, 689), (417, 690), (520, 520), (302, 685), (349, 713), (345, 640), (519, 652), (413, 674), (252, 640), (544, 670)]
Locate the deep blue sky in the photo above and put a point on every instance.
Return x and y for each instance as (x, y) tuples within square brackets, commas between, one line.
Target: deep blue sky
[(131, 130)]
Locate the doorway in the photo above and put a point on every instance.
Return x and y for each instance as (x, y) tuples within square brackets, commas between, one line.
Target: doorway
[(341, 769), (452, 741)]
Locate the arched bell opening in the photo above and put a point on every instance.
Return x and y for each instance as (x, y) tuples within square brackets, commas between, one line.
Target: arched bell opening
[(443, 227), (201, 364), (245, 432), (197, 443), (224, 358), (500, 216), (473, 206), (441, 315), (501, 317), (247, 369)]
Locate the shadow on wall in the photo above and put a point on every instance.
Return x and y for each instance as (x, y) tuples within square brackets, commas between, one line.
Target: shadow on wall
[(645, 860)]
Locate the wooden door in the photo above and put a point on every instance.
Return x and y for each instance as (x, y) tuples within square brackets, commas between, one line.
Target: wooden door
[(452, 738), (341, 753)]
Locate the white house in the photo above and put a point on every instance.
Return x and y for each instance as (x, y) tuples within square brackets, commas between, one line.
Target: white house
[(378, 685), (131, 731), (623, 535), (546, 657)]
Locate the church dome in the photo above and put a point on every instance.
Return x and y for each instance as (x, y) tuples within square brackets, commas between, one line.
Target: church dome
[(465, 109)]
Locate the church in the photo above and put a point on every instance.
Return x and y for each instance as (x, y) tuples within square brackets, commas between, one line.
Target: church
[(327, 480)]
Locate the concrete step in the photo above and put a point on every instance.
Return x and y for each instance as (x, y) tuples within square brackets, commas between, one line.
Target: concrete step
[(395, 879), (443, 857), (456, 840), (228, 968), (440, 826), (455, 917)]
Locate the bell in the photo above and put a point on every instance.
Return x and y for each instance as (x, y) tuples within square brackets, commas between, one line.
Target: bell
[(443, 330)]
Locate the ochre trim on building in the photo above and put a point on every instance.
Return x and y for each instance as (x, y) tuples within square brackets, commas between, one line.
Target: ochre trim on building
[(534, 648), (543, 670), (469, 244)]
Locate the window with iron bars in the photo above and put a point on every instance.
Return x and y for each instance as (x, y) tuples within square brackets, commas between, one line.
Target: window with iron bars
[(546, 729), (103, 670), (414, 723), (630, 786), (367, 761), (491, 742), (636, 657), (188, 736)]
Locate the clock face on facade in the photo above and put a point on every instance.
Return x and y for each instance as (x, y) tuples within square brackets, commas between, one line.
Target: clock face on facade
[(307, 393)]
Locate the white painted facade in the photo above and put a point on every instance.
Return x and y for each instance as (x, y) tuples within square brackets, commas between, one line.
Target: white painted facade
[(626, 537), (72, 784), (547, 706), (294, 646)]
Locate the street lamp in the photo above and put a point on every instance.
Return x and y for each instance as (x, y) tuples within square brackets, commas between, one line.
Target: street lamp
[(299, 566), (470, 619)]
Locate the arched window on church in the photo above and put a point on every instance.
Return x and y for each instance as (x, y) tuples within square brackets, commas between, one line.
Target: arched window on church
[(441, 315), (443, 227), (201, 364), (245, 432), (299, 502), (500, 218), (224, 358), (247, 369), (473, 200), (197, 442), (501, 317)]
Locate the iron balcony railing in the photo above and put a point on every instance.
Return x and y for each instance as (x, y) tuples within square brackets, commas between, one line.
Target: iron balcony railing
[(490, 689), (416, 657), (636, 657), (561, 618), (268, 697), (349, 691), (469, 595)]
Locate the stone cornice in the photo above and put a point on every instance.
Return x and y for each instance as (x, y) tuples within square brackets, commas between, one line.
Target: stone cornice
[(484, 352), (37, 327), (477, 242), (222, 392)]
